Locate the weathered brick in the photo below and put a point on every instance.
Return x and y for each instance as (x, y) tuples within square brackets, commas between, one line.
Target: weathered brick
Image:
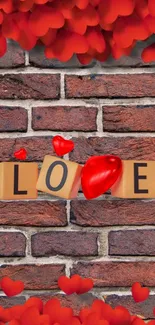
[(13, 119), (37, 148), (27, 86), (7, 302), (132, 242), (64, 243), (143, 309), (74, 301), (35, 277), (12, 244), (124, 147), (65, 118), (110, 85), (14, 56), (117, 274), (33, 213), (140, 118), (98, 213)]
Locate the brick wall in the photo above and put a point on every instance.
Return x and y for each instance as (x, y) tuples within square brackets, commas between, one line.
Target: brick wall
[(107, 109)]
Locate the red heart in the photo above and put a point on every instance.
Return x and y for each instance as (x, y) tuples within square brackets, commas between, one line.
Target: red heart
[(70, 285), (139, 294), (61, 145), (11, 288), (120, 316), (20, 154), (86, 285), (99, 174)]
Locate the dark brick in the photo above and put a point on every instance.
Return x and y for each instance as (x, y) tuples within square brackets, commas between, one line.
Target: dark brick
[(117, 274), (98, 213), (64, 243), (129, 118), (132, 242), (35, 277), (33, 213), (37, 58), (12, 244), (14, 56), (64, 118), (125, 147), (37, 148), (143, 309), (13, 119), (74, 301), (7, 302), (110, 85), (27, 86)]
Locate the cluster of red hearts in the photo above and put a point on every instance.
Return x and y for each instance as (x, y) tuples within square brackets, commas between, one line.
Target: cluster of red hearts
[(35, 312), (91, 29)]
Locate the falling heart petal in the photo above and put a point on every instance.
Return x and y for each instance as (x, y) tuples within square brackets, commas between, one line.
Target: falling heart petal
[(11, 288), (61, 145), (139, 293), (20, 154)]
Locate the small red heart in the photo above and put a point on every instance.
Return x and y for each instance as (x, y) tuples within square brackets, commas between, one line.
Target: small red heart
[(20, 154), (86, 285), (120, 316), (61, 145), (11, 288), (139, 293), (99, 174), (69, 285)]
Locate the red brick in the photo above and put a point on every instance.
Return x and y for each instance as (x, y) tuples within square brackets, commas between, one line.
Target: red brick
[(33, 213), (7, 302), (65, 118), (125, 147), (132, 242), (12, 244), (13, 119), (143, 309), (35, 277), (129, 118), (98, 213), (117, 274), (14, 56), (110, 85), (27, 86), (74, 301), (37, 148), (69, 243)]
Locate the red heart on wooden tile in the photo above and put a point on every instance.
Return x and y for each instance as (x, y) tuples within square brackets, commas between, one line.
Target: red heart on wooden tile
[(11, 288), (61, 145), (20, 154), (139, 293)]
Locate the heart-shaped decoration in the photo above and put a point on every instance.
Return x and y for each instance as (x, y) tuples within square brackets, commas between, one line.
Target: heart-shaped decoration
[(99, 174), (20, 154), (69, 285), (61, 145), (86, 285), (11, 288), (139, 293)]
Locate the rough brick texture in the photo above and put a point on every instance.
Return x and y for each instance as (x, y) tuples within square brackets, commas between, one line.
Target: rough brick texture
[(12, 244), (64, 118), (13, 119), (132, 242), (64, 243), (105, 108)]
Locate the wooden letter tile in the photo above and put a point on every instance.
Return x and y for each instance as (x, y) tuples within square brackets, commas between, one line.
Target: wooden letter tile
[(137, 181), (59, 177), (18, 180)]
